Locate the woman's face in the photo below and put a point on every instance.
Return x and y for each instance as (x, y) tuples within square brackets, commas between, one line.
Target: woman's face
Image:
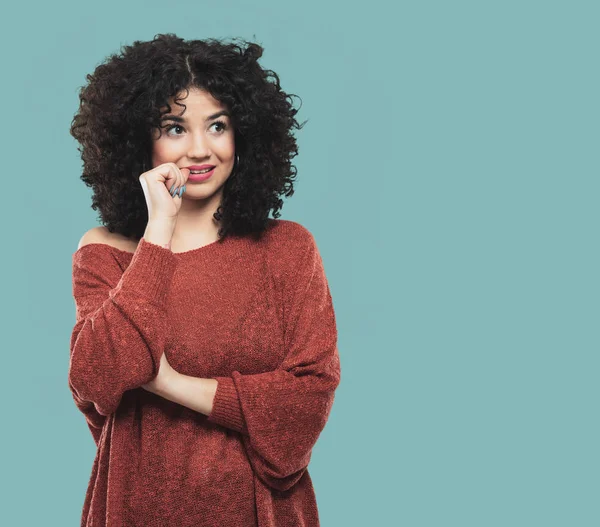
[(201, 135)]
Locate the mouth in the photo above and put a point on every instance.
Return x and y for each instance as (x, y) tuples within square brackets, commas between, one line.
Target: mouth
[(201, 175), (200, 169)]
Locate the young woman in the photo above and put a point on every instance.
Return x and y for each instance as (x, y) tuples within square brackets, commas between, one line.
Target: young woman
[(204, 354)]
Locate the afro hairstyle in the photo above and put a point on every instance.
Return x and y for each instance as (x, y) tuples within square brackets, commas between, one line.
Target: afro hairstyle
[(120, 107)]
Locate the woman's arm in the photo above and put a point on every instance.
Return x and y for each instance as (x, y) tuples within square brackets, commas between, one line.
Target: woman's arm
[(281, 413), (121, 327), (194, 393)]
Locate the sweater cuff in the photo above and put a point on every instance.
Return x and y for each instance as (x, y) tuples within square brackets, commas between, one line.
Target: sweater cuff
[(150, 271), (226, 409)]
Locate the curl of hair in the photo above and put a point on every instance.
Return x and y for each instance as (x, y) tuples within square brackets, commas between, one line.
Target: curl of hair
[(121, 105)]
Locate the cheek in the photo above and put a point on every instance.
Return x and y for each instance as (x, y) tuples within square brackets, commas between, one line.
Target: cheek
[(226, 147), (165, 150)]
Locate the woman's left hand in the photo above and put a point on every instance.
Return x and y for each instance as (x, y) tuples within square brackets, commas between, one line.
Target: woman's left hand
[(165, 374)]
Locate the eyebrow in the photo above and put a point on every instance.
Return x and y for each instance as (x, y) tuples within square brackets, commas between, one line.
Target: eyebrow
[(179, 119)]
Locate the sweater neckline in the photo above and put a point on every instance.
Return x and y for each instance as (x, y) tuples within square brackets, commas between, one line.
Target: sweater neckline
[(206, 247), (181, 254)]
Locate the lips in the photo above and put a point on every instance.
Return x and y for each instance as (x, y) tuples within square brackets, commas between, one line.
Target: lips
[(199, 167), (203, 176)]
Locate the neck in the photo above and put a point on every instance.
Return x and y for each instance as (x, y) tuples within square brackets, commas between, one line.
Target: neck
[(196, 225)]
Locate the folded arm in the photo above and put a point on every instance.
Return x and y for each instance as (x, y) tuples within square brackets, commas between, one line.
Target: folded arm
[(281, 413), (120, 330)]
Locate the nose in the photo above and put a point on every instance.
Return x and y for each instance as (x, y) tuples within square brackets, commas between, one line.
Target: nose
[(199, 147)]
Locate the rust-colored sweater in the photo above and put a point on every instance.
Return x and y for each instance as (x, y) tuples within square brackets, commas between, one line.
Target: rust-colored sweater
[(257, 316)]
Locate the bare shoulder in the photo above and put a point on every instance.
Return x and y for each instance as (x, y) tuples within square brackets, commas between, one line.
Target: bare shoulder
[(102, 235)]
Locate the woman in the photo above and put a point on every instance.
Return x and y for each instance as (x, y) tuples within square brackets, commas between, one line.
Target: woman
[(204, 355)]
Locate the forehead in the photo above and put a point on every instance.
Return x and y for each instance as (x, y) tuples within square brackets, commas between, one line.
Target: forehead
[(198, 103)]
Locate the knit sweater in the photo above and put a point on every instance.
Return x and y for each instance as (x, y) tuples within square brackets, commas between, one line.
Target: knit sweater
[(254, 314)]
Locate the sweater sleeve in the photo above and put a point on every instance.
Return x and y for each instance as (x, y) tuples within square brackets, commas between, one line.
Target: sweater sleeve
[(120, 329), (281, 413)]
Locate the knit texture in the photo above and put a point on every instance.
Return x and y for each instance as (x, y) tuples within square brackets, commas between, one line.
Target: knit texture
[(254, 314)]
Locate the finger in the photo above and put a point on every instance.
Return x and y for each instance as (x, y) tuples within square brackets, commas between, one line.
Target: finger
[(165, 171), (175, 178), (182, 175), (185, 173)]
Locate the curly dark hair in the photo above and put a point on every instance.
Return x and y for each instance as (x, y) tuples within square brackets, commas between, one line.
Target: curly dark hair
[(120, 107)]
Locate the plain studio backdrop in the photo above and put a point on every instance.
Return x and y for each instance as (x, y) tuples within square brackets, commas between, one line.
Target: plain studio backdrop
[(449, 173)]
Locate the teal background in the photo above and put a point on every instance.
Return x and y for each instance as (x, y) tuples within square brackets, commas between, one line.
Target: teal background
[(449, 173)]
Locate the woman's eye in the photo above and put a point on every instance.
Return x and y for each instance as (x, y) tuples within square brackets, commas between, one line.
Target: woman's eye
[(222, 124), (169, 128)]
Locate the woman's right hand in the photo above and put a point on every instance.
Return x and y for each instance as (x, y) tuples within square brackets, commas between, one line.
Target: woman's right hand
[(157, 184), (163, 208)]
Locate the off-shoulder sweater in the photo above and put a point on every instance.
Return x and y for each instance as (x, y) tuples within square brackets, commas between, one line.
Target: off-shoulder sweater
[(254, 314)]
